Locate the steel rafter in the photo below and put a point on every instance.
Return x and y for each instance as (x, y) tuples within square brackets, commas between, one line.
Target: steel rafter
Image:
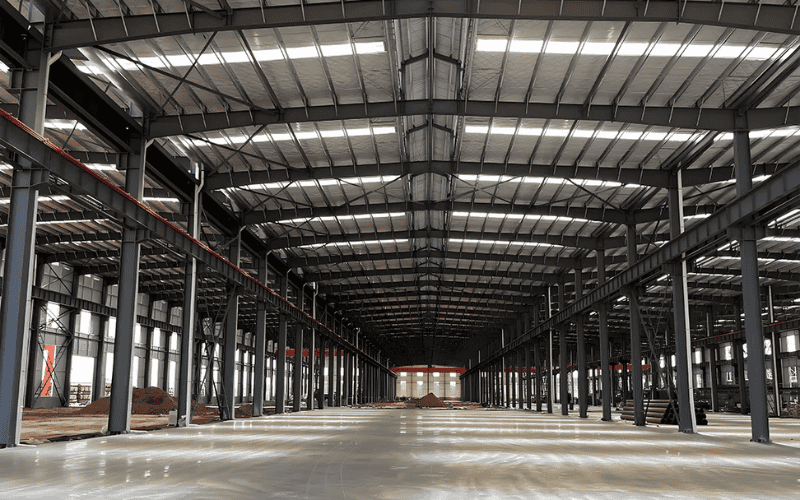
[(99, 31), (713, 119)]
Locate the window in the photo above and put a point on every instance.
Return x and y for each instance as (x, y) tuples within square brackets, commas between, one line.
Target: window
[(436, 375), (404, 374)]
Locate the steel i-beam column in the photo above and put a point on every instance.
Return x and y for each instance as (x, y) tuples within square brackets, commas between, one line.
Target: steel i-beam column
[(551, 378), (602, 317), (331, 371), (636, 338), (712, 363), (583, 393), (99, 379), (523, 326), (511, 391), (297, 379), (119, 414), (261, 344), (340, 385), (562, 352), (15, 309), (680, 307), (776, 348), (751, 298), (229, 332), (311, 355), (280, 376), (323, 362)]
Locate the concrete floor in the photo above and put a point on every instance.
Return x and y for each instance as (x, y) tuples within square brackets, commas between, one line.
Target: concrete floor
[(419, 454)]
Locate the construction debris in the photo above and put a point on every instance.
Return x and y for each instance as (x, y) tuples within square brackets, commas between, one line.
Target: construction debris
[(429, 401), (148, 401)]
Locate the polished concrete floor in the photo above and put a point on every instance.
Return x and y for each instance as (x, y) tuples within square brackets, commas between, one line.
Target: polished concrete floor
[(412, 454)]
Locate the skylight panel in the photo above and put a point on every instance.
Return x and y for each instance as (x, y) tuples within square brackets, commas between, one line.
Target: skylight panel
[(627, 49), (263, 55), (563, 48), (311, 135), (302, 52), (63, 124), (492, 45), (457, 241)]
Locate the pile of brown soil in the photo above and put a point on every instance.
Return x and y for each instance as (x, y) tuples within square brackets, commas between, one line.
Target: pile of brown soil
[(244, 411), (148, 401), (429, 401)]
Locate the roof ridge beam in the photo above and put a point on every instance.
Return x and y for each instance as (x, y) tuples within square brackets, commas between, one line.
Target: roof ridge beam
[(93, 32)]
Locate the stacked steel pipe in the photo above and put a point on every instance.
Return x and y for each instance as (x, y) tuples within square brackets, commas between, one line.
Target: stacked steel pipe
[(662, 411)]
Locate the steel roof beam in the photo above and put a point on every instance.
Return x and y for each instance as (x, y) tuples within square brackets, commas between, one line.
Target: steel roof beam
[(414, 283), (434, 270), (720, 120), (601, 215), (653, 178), (93, 32)]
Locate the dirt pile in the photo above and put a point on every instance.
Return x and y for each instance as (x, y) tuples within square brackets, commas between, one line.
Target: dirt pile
[(429, 401), (148, 401)]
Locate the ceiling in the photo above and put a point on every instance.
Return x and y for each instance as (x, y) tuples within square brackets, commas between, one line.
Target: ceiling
[(436, 169)]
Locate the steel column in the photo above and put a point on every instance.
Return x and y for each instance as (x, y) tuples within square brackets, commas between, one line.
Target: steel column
[(680, 307), (311, 357), (280, 377), (562, 352), (602, 318), (261, 344), (99, 379), (636, 337), (119, 413), (583, 392), (751, 299), (297, 369), (230, 334), (776, 374), (15, 309)]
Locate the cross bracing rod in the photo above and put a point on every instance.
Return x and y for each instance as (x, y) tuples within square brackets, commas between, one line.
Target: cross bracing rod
[(19, 139), (93, 32), (720, 120), (779, 190)]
